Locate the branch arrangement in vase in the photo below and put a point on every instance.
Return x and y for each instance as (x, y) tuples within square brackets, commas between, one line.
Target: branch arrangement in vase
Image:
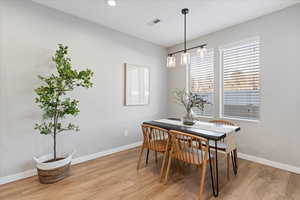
[(189, 100)]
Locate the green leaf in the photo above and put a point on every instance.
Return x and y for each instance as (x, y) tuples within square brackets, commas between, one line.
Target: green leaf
[(52, 95)]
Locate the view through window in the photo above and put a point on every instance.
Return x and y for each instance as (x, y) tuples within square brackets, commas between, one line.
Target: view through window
[(241, 85), (202, 79)]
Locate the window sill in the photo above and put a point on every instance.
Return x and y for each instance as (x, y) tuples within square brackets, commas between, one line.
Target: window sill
[(204, 117), (241, 120)]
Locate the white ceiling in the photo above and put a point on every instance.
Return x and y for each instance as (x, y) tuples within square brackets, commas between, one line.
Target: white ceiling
[(132, 16)]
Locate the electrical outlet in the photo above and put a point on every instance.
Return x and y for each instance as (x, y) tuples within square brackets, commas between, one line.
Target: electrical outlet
[(126, 133)]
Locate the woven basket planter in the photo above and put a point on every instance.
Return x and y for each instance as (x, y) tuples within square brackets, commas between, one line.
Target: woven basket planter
[(53, 171), (54, 175)]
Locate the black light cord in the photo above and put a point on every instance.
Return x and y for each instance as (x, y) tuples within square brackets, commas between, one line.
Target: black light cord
[(185, 32)]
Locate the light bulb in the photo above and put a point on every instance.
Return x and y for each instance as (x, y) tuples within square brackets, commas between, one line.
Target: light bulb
[(171, 61), (111, 2), (201, 51), (185, 58)]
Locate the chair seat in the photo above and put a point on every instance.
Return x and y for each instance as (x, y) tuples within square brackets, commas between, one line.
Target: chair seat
[(189, 156), (220, 145), (158, 145)]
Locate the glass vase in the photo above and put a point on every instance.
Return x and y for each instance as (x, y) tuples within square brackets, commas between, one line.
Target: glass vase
[(188, 119)]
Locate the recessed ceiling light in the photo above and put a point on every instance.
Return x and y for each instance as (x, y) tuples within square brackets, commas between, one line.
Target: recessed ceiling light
[(111, 2)]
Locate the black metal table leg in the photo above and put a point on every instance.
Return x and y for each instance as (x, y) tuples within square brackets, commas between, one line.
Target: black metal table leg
[(217, 171), (147, 157), (211, 172), (214, 187)]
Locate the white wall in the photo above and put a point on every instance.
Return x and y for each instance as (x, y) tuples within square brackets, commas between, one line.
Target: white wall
[(276, 136), (29, 36)]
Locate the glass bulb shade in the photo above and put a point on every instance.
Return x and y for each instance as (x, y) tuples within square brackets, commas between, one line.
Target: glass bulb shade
[(111, 2), (185, 58), (171, 61), (201, 52)]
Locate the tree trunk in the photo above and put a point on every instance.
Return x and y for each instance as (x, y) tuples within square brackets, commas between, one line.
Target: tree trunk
[(54, 146), (54, 138), (55, 119)]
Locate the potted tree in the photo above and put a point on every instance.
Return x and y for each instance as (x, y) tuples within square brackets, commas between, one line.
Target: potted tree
[(52, 98)]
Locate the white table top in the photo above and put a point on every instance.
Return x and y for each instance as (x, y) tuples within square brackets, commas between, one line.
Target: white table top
[(203, 126)]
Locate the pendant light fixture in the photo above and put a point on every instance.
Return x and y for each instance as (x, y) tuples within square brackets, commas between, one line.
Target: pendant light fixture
[(171, 61), (201, 51), (185, 55)]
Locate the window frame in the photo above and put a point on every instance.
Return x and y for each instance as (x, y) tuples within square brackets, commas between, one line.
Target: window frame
[(221, 79), (214, 83)]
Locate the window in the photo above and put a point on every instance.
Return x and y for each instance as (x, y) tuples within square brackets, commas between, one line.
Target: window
[(241, 74), (202, 79)]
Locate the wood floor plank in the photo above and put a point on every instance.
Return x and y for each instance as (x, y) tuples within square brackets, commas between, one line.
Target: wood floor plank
[(114, 177)]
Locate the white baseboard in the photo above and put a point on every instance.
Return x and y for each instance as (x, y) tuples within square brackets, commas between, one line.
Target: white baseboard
[(18, 176), (270, 163), (33, 172), (104, 153)]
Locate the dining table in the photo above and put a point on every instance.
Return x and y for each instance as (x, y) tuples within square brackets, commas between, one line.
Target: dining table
[(210, 131)]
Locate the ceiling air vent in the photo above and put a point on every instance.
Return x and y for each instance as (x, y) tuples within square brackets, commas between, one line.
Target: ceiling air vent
[(154, 22)]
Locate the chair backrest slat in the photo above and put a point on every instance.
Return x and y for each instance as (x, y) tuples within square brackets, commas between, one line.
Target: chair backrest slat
[(224, 122), (229, 140), (189, 148), (153, 135)]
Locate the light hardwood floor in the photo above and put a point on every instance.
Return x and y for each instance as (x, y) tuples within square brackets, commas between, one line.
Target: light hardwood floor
[(115, 177)]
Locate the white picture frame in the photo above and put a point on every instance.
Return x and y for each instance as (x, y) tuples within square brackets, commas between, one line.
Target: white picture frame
[(137, 85)]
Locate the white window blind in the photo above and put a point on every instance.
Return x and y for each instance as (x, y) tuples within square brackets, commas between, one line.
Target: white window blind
[(241, 85), (202, 79)]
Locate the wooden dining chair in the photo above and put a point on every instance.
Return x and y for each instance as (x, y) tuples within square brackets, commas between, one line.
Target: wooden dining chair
[(190, 149), (227, 146), (155, 139)]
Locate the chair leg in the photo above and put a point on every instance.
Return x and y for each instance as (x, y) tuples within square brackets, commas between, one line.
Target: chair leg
[(176, 165), (140, 157), (156, 157), (202, 179), (181, 166), (228, 166), (147, 157), (163, 165), (234, 161), (237, 161), (168, 168)]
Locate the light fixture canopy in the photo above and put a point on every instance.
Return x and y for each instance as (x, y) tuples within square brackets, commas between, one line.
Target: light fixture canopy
[(111, 3)]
